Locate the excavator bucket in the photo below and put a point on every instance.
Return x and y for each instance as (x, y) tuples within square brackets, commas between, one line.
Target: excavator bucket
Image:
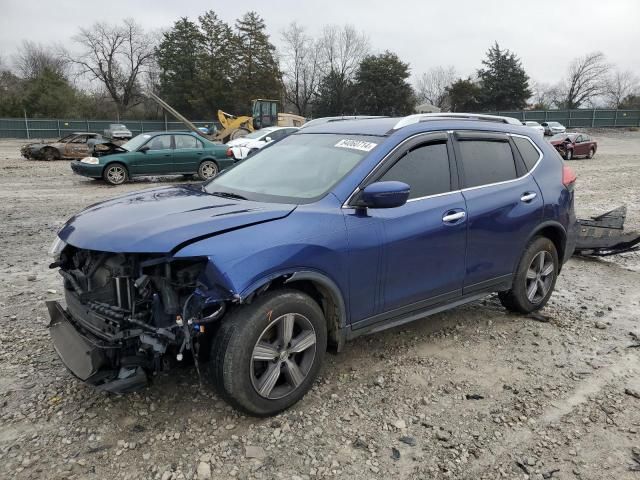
[(604, 235)]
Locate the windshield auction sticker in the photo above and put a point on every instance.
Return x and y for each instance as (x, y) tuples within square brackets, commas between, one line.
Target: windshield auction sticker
[(356, 145)]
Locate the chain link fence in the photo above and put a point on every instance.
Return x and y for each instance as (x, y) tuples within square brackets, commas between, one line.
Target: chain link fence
[(37, 128)]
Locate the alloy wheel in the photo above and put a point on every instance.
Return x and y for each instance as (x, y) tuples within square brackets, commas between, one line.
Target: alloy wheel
[(116, 174), (283, 356), (208, 169), (539, 276)]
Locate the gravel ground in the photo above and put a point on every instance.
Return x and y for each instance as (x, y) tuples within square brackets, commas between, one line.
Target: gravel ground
[(471, 393)]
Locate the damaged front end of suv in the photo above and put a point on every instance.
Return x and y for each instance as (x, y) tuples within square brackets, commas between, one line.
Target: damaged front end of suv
[(130, 316)]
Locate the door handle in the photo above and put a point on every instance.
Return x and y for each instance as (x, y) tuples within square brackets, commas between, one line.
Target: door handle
[(452, 217), (528, 196)]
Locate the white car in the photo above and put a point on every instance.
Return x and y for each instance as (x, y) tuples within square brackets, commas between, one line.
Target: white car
[(553, 128), (535, 125), (240, 148), (118, 131)]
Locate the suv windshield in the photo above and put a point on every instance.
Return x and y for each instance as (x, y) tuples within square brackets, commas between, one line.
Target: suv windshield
[(297, 169)]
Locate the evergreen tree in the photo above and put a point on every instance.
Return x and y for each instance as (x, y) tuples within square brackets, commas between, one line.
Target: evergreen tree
[(381, 86), (335, 96), (256, 74), (178, 55), (216, 66), (504, 83), (464, 96), (49, 94)]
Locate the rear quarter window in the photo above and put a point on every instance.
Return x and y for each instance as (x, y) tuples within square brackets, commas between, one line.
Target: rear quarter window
[(528, 152), (486, 161)]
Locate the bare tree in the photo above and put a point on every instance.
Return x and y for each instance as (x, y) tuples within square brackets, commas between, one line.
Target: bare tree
[(301, 68), (619, 86), (117, 56), (342, 49), (32, 59), (544, 96), (432, 86), (586, 80)]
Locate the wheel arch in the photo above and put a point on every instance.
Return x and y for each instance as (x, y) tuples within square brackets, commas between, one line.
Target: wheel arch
[(555, 232), (319, 287), (46, 148)]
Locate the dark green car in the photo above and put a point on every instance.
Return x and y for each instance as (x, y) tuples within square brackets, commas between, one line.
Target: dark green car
[(154, 153)]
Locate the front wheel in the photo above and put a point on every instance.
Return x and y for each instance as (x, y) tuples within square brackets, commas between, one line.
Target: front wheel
[(535, 278), (208, 169), (115, 174), (266, 355), (569, 154)]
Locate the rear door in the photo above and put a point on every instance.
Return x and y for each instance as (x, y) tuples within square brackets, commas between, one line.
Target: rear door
[(187, 154), (504, 205)]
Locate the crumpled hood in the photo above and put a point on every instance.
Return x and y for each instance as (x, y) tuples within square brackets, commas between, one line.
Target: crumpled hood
[(160, 219)]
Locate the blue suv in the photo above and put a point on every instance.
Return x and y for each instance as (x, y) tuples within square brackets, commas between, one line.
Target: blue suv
[(342, 229)]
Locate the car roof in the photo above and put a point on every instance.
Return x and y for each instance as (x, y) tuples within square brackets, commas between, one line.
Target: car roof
[(386, 126), (364, 126)]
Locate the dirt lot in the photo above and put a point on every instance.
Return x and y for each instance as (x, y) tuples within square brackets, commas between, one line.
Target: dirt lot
[(471, 393)]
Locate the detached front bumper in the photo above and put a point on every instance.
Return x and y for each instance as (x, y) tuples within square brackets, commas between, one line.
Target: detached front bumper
[(86, 170), (87, 357)]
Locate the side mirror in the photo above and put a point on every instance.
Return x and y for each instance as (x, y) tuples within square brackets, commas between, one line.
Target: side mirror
[(144, 149), (385, 195), (267, 139)]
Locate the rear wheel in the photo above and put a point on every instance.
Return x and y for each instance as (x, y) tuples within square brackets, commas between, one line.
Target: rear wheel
[(208, 169), (535, 278), (266, 355), (591, 153), (115, 174)]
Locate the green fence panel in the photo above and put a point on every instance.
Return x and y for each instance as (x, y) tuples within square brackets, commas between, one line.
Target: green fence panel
[(47, 128)]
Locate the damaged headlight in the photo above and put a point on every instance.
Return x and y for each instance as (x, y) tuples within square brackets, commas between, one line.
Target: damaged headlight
[(56, 248), (90, 160)]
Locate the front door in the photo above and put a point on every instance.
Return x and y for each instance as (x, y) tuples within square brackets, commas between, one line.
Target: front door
[(77, 147), (504, 205), (187, 154), (157, 159), (421, 244)]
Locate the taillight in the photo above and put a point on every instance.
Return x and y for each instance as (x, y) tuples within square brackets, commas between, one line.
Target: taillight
[(568, 176), (229, 152)]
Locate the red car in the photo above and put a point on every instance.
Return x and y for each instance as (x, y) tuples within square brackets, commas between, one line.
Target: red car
[(572, 145)]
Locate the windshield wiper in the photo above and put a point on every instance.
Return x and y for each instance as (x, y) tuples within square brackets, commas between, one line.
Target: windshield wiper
[(228, 195)]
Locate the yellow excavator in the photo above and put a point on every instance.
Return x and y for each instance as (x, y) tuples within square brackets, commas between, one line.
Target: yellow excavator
[(264, 113)]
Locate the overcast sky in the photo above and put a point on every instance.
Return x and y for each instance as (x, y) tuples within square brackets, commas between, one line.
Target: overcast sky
[(544, 34)]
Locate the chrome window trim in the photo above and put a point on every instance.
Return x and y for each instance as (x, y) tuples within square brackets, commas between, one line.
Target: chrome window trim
[(462, 190)]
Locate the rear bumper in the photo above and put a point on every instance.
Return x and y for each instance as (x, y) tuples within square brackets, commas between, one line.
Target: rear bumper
[(92, 171), (87, 357)]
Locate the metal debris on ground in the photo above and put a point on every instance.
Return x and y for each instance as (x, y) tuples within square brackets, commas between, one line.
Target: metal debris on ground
[(604, 234)]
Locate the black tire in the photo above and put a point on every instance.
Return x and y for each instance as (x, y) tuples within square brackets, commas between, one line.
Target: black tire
[(238, 375), (207, 169), (50, 154), (591, 153), (568, 154), (519, 298), (115, 174)]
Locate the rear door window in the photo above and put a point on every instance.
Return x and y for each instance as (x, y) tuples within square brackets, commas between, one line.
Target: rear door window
[(528, 152), (424, 168), (186, 141), (486, 161)]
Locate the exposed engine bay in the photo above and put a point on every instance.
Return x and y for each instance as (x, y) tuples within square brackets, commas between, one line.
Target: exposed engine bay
[(133, 315)]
